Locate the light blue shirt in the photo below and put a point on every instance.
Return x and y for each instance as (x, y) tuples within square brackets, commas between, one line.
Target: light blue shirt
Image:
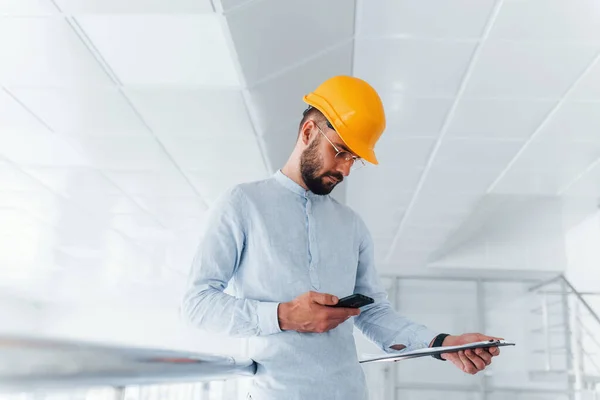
[(273, 241)]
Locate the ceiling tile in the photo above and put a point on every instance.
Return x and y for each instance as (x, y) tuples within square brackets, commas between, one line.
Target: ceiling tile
[(574, 121), (50, 149), (588, 88), (132, 153), (43, 206), (76, 111), (164, 49), (48, 53), (552, 155), (216, 154), (152, 183), (274, 107), (103, 205), (73, 181), (23, 8), (267, 50), (165, 207), (140, 227), (210, 188), (588, 185), (135, 6), (198, 112), (551, 20), (536, 70), (14, 179), (403, 153), (14, 117), (468, 154), (541, 183), (467, 181), (428, 18), (417, 67), (413, 116), (498, 119)]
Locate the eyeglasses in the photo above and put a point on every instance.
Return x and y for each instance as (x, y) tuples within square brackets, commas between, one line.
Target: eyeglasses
[(343, 155)]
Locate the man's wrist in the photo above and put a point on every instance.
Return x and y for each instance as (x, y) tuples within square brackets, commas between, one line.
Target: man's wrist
[(282, 310), (438, 341)]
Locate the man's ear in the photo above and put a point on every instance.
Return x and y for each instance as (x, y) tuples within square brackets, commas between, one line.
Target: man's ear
[(306, 131)]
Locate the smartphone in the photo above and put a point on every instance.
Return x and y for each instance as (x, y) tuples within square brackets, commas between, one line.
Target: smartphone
[(354, 301)]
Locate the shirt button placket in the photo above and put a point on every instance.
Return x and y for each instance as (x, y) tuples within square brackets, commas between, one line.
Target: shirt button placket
[(312, 245)]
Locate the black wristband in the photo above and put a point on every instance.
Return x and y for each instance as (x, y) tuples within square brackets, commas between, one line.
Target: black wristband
[(437, 342)]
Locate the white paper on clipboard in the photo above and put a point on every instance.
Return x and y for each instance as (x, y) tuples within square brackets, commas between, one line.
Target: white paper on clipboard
[(429, 351)]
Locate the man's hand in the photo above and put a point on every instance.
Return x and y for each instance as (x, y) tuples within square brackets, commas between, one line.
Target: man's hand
[(470, 361), (309, 312)]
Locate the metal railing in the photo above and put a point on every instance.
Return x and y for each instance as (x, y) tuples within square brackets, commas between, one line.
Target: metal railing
[(28, 363), (566, 314)]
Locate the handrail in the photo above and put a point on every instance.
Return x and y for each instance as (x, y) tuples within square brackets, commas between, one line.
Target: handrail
[(32, 363), (574, 291), (581, 299)]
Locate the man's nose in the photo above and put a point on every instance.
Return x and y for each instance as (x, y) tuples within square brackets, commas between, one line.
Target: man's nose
[(344, 168)]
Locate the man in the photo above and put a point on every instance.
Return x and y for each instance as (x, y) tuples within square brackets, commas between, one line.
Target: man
[(291, 251)]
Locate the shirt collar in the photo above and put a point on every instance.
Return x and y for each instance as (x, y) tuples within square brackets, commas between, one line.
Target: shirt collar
[(288, 183)]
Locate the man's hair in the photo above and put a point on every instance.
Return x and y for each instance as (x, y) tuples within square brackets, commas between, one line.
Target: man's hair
[(311, 113)]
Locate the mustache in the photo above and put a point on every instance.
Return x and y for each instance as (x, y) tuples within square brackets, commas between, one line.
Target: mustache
[(337, 176)]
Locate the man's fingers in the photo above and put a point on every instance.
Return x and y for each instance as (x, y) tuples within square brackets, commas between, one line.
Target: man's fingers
[(494, 351), (476, 360), (325, 299), (485, 356), (468, 365)]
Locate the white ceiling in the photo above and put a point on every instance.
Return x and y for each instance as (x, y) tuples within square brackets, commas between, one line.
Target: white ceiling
[(121, 121)]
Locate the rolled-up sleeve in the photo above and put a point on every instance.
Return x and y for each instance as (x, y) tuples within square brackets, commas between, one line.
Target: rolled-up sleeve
[(205, 305), (379, 321)]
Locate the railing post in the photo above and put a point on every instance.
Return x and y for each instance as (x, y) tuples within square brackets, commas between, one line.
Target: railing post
[(546, 325), (568, 335)]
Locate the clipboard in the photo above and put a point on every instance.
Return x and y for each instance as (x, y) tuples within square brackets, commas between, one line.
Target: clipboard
[(429, 351)]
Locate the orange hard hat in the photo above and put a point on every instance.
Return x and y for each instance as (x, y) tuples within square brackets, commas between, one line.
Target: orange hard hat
[(355, 111)]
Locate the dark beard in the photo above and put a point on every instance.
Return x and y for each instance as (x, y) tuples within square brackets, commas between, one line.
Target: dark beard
[(310, 164)]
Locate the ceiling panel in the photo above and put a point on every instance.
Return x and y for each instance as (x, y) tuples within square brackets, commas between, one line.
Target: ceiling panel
[(535, 182), (14, 117), (169, 182), (216, 154), (104, 205), (548, 20), (210, 188), (402, 153), (50, 149), (574, 121), (73, 181), (497, 119), (468, 154), (413, 66), (414, 116), (123, 152), (164, 207), (48, 53), (135, 6), (198, 112), (267, 50), (43, 205), (536, 70), (77, 111), (27, 8), (164, 49), (588, 184), (459, 181), (13, 179), (589, 86), (274, 107), (140, 227), (428, 18)]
